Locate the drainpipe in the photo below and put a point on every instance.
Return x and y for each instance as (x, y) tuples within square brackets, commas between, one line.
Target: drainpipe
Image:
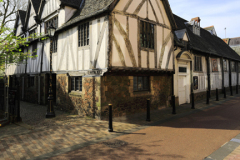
[(208, 75), (223, 80), (39, 80), (237, 76), (173, 96), (230, 77)]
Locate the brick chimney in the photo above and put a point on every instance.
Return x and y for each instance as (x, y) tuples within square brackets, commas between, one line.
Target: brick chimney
[(196, 25)]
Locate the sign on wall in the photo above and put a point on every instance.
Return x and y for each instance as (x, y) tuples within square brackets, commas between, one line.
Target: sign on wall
[(214, 65), (195, 82)]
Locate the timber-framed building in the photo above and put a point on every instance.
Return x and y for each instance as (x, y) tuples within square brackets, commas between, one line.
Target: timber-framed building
[(121, 52)]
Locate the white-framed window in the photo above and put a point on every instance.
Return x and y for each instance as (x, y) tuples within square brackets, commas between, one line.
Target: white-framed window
[(83, 34), (76, 83)]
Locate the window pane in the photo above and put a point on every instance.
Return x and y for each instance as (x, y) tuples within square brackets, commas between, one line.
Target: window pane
[(76, 83), (183, 69), (82, 35), (135, 84), (140, 83), (145, 83), (72, 83)]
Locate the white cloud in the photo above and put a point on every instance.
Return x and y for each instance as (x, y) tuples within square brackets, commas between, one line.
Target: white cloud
[(219, 13)]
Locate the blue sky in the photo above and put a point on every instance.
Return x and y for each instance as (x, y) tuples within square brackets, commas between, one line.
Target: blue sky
[(220, 13)]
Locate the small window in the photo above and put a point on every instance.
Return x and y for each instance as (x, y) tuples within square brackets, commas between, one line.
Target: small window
[(233, 67), (147, 35), (34, 49), (83, 34), (182, 69), (54, 43), (198, 64), (214, 65), (76, 83), (53, 21), (141, 83), (225, 65)]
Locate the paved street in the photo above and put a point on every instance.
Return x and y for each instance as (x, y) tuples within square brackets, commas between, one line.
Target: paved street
[(190, 134), (192, 137)]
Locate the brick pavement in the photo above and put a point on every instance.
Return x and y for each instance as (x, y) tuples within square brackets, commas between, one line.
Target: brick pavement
[(41, 138)]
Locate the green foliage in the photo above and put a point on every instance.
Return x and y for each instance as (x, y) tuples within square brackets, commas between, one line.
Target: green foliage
[(12, 47)]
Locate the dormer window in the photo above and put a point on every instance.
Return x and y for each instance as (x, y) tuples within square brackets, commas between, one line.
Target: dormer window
[(53, 21)]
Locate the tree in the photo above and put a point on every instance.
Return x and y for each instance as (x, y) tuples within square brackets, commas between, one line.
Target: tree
[(11, 46)]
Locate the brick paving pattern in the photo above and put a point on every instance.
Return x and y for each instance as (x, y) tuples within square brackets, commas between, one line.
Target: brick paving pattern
[(36, 135)]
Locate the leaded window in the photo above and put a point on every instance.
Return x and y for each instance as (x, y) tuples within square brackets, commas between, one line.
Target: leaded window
[(147, 35), (83, 34), (53, 21), (141, 83), (54, 44), (198, 64), (76, 83)]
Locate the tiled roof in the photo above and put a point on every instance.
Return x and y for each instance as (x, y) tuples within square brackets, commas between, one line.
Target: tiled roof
[(22, 15), (206, 42), (89, 8)]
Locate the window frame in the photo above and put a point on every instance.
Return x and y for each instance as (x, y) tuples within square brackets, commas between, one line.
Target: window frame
[(145, 83), (147, 35), (83, 34), (197, 64), (214, 68), (73, 86), (54, 44)]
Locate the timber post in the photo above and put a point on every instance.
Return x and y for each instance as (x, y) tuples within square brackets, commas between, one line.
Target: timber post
[(224, 92), (207, 97), (110, 127), (148, 110), (173, 105), (193, 103), (217, 98)]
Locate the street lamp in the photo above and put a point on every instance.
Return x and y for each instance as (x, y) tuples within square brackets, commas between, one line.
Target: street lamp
[(50, 110)]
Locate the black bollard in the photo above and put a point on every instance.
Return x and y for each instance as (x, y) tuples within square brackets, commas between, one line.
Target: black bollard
[(224, 92), (236, 89), (231, 92), (110, 129), (193, 103), (217, 98), (173, 105), (148, 110), (207, 97)]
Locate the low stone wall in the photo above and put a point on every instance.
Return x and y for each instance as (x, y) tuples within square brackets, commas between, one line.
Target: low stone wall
[(86, 102), (118, 90)]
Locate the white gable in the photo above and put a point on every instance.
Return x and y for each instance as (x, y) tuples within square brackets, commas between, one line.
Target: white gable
[(50, 7), (31, 20)]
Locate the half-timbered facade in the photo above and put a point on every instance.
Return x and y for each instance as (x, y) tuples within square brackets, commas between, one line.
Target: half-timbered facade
[(203, 62), (104, 51)]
